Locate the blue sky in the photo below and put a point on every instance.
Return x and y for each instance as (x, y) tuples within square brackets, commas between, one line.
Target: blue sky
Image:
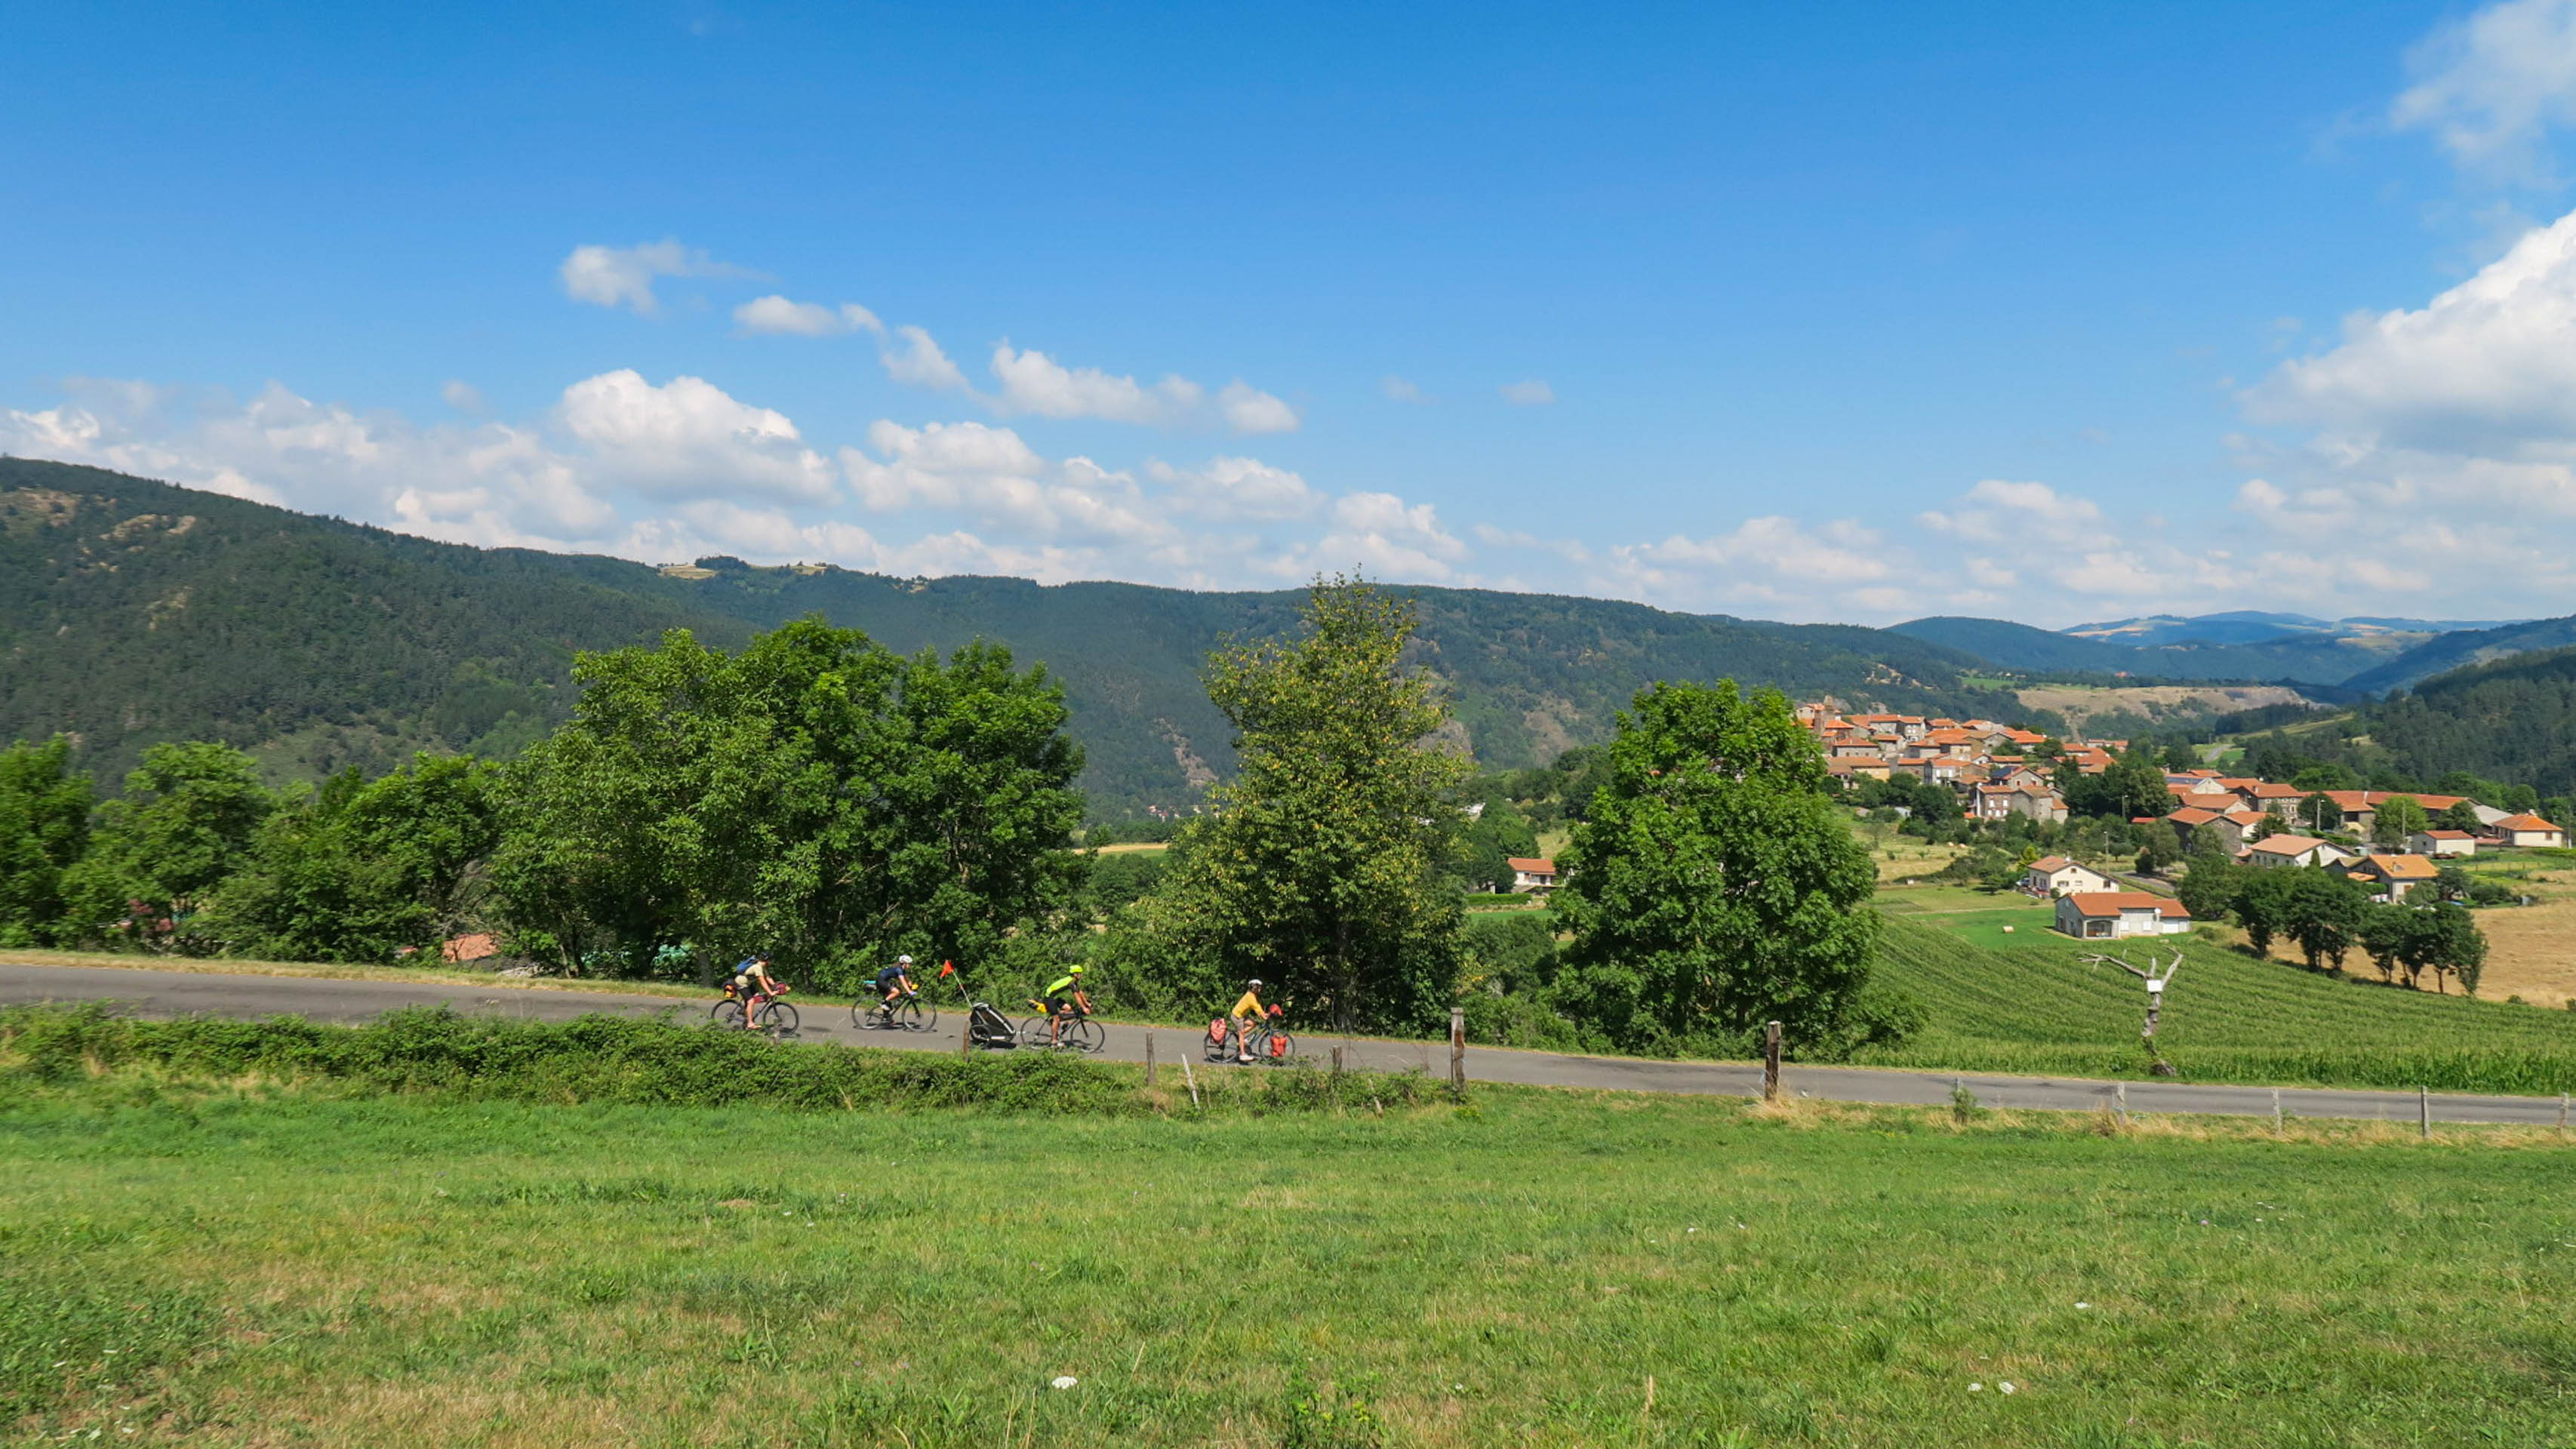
[(1794, 312)]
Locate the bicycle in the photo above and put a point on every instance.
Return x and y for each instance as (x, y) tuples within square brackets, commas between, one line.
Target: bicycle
[(1267, 1042), (776, 1019), (1078, 1032), (906, 1013)]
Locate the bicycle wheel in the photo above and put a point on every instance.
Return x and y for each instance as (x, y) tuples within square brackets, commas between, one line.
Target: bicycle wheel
[(726, 1013), (1085, 1036), (1034, 1035), (778, 1020), (863, 1014), (914, 1016)]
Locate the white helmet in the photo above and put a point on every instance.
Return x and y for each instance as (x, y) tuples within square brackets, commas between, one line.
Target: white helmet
[(903, 960)]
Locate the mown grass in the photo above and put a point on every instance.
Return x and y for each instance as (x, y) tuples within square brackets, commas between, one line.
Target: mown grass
[(2021, 1002), (217, 1262)]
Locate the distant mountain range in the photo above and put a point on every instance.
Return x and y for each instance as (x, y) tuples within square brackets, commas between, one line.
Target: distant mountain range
[(2369, 655), (133, 611)]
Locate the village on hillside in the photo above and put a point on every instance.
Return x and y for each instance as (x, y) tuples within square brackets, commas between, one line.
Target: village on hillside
[(1998, 772)]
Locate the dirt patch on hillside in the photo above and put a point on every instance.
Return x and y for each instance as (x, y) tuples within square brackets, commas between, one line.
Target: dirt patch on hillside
[(2157, 702)]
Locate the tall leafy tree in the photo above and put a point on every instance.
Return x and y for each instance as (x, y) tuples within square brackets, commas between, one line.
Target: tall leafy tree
[(2400, 816), (814, 794), (2322, 912), (45, 810), (365, 868), (1319, 870), (1712, 885), (185, 822), (2261, 905)]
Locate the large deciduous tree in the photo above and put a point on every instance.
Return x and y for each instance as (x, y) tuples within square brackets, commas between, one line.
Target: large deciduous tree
[(185, 823), (45, 808), (2397, 818), (365, 868), (1712, 886), (815, 795), (1320, 869)]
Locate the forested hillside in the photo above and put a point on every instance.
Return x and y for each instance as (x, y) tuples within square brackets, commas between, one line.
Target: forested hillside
[(2305, 659), (2447, 652), (2512, 720), (133, 612)]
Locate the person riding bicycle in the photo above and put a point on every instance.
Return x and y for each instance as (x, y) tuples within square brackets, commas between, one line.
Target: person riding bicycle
[(755, 986), (1064, 998), (1247, 1009), (894, 984)]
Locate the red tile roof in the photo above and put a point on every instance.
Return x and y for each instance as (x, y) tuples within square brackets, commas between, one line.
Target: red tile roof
[(2112, 903)]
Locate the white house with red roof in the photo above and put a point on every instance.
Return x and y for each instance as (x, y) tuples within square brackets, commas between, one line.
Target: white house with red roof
[(2055, 875), (2109, 915), (2527, 831)]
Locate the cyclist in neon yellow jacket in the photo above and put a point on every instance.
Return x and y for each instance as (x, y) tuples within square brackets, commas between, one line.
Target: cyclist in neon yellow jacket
[(1064, 998)]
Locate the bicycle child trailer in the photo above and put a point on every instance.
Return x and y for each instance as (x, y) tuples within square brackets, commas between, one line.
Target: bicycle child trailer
[(989, 1029)]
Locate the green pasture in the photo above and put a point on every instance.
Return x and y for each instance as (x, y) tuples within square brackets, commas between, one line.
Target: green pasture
[(2022, 1002), (245, 1262)]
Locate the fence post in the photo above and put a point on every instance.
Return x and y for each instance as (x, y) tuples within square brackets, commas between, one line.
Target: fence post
[(2562, 1114), (2120, 1094), (1337, 1061), (1771, 1062), (2424, 1111), (1149, 1056), (1458, 1048), (2276, 1109), (966, 1037)]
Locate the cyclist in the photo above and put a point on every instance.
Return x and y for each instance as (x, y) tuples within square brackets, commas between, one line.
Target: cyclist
[(1246, 1010), (753, 983), (894, 983), (1064, 998)]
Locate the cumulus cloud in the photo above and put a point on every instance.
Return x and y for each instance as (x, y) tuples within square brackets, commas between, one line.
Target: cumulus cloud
[(1396, 389), (460, 395), (1529, 394), (1232, 489), (775, 315), (920, 363), (1248, 409), (688, 437), (2491, 86), (623, 276), (1032, 382)]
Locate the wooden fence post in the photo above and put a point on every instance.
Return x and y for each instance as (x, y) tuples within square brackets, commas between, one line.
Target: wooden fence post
[(2120, 1093), (1337, 1061), (2276, 1109), (1771, 1062), (2424, 1111), (2562, 1114), (1149, 1056), (1458, 1048)]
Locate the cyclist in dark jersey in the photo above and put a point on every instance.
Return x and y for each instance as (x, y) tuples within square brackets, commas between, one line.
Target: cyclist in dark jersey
[(894, 983)]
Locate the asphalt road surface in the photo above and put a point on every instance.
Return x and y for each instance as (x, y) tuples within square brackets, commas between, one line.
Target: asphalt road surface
[(181, 993)]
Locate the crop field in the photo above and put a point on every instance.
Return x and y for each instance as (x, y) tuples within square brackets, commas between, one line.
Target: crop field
[(261, 1260), (2020, 1002)]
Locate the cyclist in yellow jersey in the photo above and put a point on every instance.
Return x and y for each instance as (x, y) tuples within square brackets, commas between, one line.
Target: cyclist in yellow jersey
[(1246, 1010), (1064, 997)]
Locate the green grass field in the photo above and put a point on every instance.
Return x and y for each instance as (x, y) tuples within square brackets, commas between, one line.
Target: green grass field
[(2019, 1001), (251, 1263)]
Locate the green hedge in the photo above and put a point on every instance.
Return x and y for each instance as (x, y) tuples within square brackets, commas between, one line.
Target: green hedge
[(648, 1061)]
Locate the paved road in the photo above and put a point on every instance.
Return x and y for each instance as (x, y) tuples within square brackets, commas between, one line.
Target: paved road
[(179, 993)]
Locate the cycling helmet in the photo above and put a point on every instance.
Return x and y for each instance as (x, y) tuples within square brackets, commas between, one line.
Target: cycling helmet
[(1076, 971), (903, 960), (1254, 983)]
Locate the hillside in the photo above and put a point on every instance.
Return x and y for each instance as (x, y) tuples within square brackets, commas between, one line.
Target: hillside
[(2447, 652), (2512, 720), (2304, 658), (133, 611)]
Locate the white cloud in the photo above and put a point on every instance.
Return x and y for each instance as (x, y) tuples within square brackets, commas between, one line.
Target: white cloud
[(623, 276), (920, 363), (1250, 410), (1396, 389), (1233, 489), (1529, 394), (462, 396), (775, 315), (2491, 87), (1032, 382), (2487, 367), (689, 437)]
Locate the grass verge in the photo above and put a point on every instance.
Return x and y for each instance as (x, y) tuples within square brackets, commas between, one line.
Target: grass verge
[(253, 1262)]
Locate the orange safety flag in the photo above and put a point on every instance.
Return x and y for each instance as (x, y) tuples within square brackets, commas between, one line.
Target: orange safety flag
[(947, 968)]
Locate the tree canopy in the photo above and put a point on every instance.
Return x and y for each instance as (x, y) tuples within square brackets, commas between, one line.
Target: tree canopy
[(1712, 886)]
